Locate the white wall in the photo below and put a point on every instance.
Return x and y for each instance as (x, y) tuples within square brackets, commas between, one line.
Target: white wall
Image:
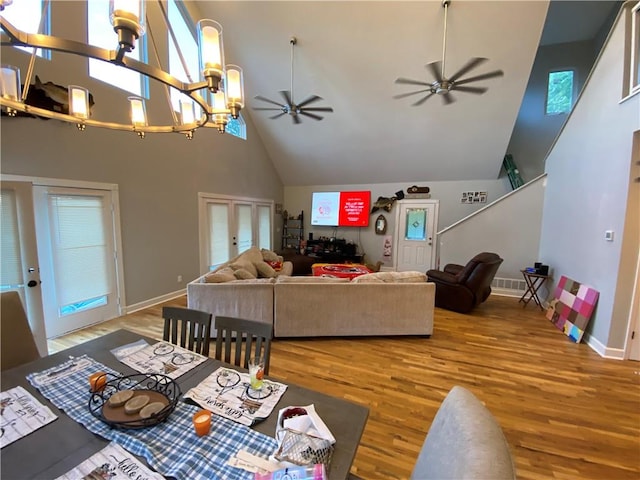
[(450, 210), (588, 192), (509, 227)]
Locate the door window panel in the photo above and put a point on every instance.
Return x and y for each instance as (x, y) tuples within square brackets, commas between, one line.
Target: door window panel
[(264, 227), (11, 267), (218, 234), (244, 223), (80, 252), (416, 224)]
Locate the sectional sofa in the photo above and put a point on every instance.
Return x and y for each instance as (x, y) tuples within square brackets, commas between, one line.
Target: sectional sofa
[(385, 303)]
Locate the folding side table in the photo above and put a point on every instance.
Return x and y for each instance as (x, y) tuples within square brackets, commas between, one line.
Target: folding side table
[(534, 281)]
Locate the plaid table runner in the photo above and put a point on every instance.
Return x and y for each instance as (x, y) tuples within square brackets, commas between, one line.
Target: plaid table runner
[(172, 448)]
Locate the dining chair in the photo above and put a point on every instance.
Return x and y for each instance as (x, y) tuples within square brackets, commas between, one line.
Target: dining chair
[(257, 340), (18, 344), (188, 328)]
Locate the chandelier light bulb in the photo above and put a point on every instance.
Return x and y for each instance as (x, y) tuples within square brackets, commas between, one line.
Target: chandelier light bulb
[(211, 52)]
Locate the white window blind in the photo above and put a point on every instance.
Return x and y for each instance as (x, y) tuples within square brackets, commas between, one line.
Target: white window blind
[(244, 225), (80, 247), (264, 227), (218, 233), (11, 267)]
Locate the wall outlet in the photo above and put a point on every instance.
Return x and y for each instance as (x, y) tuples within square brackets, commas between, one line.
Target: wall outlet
[(608, 235), (179, 278)]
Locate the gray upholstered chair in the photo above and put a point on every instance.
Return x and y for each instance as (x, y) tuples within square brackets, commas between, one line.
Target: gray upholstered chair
[(257, 340), (464, 442), (18, 344), (188, 328)]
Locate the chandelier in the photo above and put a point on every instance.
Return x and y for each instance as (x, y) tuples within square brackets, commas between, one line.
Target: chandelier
[(218, 94)]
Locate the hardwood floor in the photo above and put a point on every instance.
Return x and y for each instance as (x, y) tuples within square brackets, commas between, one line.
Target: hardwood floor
[(566, 412)]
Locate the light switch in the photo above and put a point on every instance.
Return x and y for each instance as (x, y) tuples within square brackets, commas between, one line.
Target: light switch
[(608, 235)]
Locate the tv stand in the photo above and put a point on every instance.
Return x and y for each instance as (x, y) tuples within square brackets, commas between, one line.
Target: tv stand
[(332, 250)]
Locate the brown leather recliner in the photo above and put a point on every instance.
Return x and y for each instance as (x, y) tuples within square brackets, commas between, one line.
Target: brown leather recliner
[(461, 288)]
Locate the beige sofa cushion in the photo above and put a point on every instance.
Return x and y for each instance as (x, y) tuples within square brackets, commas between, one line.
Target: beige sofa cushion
[(285, 279), (242, 264), (220, 276), (391, 277)]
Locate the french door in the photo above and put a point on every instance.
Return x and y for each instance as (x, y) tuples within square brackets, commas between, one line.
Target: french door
[(19, 268), (231, 225), (416, 223), (77, 247)]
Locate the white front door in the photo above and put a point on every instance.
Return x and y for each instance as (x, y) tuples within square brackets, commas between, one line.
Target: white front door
[(19, 269), (76, 230), (416, 223)]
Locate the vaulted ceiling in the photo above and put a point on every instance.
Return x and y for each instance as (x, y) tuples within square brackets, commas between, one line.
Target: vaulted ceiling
[(350, 53)]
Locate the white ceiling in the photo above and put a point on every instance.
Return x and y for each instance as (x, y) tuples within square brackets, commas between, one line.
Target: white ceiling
[(350, 53)]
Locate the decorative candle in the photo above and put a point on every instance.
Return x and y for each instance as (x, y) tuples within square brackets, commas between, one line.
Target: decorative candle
[(97, 381), (202, 422)]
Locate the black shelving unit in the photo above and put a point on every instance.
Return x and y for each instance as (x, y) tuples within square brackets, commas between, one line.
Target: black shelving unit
[(293, 231)]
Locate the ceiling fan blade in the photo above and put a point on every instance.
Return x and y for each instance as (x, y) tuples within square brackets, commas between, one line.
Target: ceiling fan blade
[(277, 116), (287, 97), (404, 95), (422, 100), (311, 99), (295, 118), (317, 109), (436, 70), (312, 115), (471, 64), (265, 99), (484, 76), (267, 108), (447, 98), (478, 90), (408, 81)]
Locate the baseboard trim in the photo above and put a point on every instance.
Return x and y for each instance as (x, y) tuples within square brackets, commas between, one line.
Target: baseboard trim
[(153, 301), (603, 350)]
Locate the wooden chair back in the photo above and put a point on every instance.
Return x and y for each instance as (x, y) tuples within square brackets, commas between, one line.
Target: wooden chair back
[(257, 341), (187, 328), (18, 344)]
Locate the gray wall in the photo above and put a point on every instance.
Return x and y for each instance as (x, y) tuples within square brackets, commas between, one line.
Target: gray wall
[(534, 132), (158, 177), (509, 227), (447, 193), (590, 190)]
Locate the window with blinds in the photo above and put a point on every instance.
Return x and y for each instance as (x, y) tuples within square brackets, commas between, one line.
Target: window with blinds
[(80, 252), (11, 266)]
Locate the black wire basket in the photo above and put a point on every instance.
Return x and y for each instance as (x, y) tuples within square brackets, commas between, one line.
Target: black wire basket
[(157, 386)]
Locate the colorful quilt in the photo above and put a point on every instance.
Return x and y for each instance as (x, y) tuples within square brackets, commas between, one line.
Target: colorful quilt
[(571, 307)]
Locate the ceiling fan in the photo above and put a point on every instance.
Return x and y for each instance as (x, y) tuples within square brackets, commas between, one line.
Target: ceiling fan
[(444, 85), (290, 106)]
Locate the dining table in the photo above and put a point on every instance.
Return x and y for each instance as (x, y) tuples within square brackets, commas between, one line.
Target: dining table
[(59, 446)]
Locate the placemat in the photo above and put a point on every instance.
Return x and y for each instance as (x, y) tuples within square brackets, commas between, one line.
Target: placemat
[(165, 358), (228, 393), (21, 414), (172, 448)]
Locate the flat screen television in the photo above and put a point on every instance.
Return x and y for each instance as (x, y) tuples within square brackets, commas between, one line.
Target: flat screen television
[(340, 209)]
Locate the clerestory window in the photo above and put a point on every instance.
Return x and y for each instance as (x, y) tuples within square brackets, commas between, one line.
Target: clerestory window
[(28, 16), (101, 34), (559, 92)]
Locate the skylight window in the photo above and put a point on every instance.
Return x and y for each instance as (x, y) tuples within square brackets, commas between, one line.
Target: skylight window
[(101, 34), (184, 32), (26, 15), (559, 92)]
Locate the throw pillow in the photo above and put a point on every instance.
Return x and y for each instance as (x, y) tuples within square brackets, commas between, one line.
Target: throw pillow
[(246, 265), (268, 255), (408, 277), (277, 266), (367, 278), (264, 270), (252, 255), (220, 276), (242, 274)]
